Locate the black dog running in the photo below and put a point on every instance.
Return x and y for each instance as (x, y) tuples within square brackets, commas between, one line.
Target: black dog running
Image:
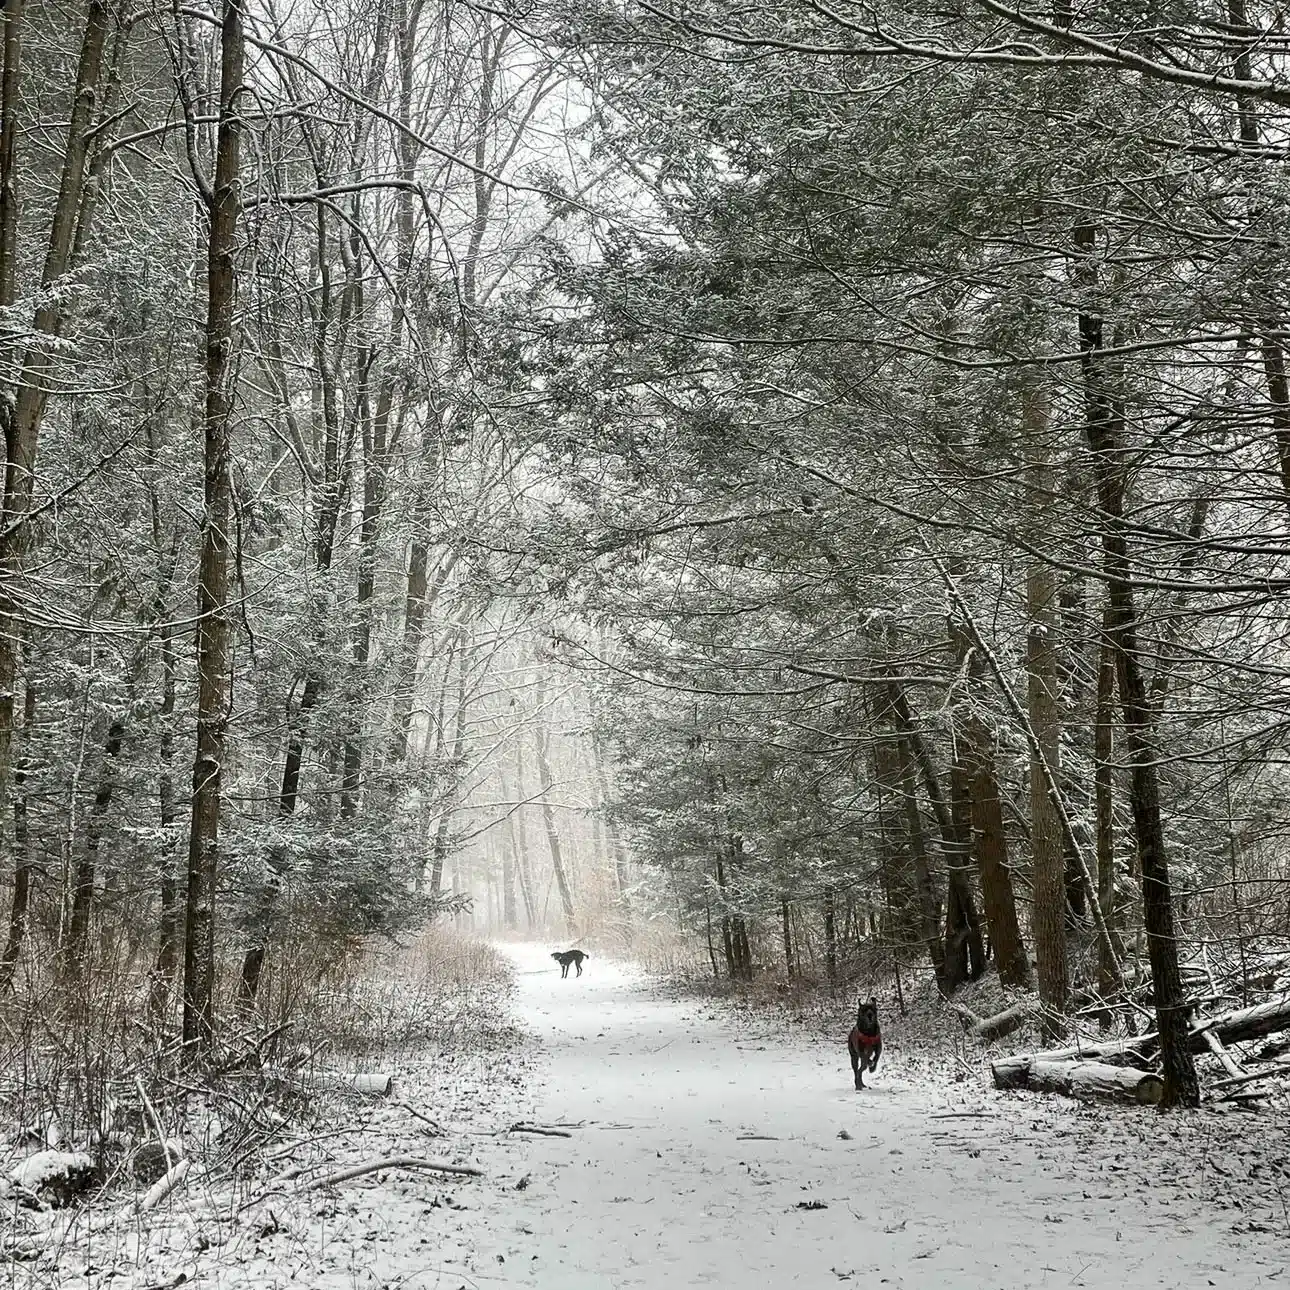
[(864, 1043)]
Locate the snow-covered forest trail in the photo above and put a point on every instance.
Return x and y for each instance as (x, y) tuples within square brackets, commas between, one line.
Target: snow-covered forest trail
[(701, 1145)]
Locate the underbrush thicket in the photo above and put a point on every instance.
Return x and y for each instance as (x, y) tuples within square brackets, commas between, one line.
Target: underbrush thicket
[(91, 1068)]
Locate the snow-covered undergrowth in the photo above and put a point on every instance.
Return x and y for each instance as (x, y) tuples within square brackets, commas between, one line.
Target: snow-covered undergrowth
[(262, 1202)]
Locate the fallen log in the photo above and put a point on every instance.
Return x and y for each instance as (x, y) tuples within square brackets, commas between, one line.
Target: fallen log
[(1010, 1072), (1093, 1079), (1229, 1027), (988, 1028), (369, 1083), (1246, 1023)]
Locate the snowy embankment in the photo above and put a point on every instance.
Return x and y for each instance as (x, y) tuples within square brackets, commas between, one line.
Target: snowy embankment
[(705, 1150)]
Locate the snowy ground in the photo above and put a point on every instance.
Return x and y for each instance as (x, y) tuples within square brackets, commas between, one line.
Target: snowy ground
[(703, 1144), (705, 1150)]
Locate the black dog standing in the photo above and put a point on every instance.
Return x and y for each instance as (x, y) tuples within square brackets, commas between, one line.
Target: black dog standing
[(569, 956), (864, 1043)]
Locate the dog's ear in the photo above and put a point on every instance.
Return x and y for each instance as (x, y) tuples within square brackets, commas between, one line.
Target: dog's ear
[(873, 1003)]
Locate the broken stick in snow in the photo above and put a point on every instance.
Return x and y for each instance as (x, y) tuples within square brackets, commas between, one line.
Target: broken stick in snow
[(390, 1162), (540, 1130), (1272, 1072), (163, 1186), (1002, 1023), (1226, 1060)]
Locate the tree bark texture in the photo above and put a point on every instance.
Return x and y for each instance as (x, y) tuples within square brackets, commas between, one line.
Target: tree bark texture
[(213, 629), (1104, 426), (23, 416), (541, 737), (21, 904), (989, 838), (1049, 916), (1104, 804)]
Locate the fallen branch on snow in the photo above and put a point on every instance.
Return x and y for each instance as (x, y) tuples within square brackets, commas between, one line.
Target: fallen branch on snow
[(1002, 1023), (1249, 1077), (390, 1162), (164, 1185), (538, 1129)]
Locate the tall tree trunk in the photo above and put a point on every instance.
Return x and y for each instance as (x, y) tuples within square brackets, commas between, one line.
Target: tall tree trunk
[(830, 934), (213, 628), (18, 910), (989, 837), (928, 905), (963, 954), (169, 926), (1103, 805), (1041, 669), (727, 940), (374, 431), (22, 414), (444, 830), (541, 739), (742, 949), (78, 933), (1104, 426), (519, 836)]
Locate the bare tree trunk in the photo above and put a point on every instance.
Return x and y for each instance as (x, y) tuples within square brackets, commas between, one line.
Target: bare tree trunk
[(520, 839), (963, 955), (727, 940), (742, 949), (18, 910), (169, 926), (990, 840), (328, 517), (443, 832), (22, 417), (540, 742), (374, 433), (928, 905), (87, 865), (1041, 667), (1104, 428), (10, 77), (213, 629), (830, 934), (1103, 806)]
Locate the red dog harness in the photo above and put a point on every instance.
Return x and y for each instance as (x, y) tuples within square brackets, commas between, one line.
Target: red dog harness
[(859, 1039)]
